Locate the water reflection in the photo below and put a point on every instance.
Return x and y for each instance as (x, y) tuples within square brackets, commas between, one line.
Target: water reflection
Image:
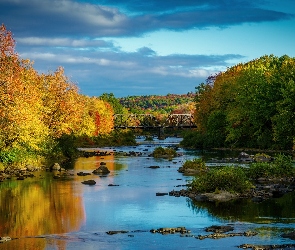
[(39, 206), (90, 163), (279, 210)]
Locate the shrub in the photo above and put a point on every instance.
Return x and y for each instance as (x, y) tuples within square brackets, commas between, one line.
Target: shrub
[(2, 167), (9, 156), (164, 152), (193, 139), (261, 157), (231, 179), (196, 164), (281, 167), (149, 138), (116, 138), (259, 169), (19, 157)]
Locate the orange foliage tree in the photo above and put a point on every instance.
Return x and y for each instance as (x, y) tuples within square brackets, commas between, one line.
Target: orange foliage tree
[(39, 108), (20, 99)]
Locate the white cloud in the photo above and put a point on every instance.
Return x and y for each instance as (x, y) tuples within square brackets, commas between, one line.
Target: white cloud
[(62, 42)]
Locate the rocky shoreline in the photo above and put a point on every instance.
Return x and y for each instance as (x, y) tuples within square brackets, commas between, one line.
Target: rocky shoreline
[(264, 189), (214, 232)]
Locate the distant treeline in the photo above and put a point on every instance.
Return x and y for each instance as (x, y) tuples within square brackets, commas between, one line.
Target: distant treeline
[(249, 105), (156, 103)]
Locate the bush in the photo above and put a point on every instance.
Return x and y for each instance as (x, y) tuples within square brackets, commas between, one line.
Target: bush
[(281, 167), (2, 167), (261, 157), (149, 138), (67, 145), (259, 169), (231, 179), (198, 140), (164, 152), (9, 156), (193, 139), (19, 157), (196, 164), (116, 138)]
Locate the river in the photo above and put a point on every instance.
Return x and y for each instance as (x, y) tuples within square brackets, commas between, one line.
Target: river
[(47, 213)]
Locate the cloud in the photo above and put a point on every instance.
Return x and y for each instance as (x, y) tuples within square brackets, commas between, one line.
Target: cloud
[(63, 42), (171, 5), (137, 71), (146, 51), (62, 18), (80, 35)]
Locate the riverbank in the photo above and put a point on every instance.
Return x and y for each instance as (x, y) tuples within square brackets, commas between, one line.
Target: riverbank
[(79, 213)]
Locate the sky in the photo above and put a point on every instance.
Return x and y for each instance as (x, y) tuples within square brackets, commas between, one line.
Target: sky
[(152, 47)]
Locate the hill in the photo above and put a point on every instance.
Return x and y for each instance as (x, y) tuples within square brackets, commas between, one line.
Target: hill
[(171, 103)]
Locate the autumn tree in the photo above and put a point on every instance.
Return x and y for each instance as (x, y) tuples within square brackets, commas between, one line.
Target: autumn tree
[(20, 104), (249, 105), (37, 111)]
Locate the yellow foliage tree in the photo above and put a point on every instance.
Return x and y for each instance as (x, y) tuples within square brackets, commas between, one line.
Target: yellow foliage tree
[(62, 108), (39, 108), (20, 103)]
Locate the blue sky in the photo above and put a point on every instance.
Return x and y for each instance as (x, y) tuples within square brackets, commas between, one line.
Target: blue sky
[(137, 47)]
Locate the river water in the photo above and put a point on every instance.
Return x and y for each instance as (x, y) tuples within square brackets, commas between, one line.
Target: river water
[(47, 213)]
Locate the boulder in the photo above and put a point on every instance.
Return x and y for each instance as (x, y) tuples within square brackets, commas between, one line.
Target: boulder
[(32, 168), (55, 166), (89, 182), (4, 239), (101, 170), (244, 157), (153, 167), (221, 196), (290, 235), (83, 174), (219, 229)]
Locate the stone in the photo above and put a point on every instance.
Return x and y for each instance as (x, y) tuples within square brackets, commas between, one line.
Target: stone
[(117, 232), (55, 166), (201, 197), (221, 196), (153, 167), (89, 182), (290, 235), (31, 168), (82, 174), (4, 239), (101, 170), (219, 229), (161, 194)]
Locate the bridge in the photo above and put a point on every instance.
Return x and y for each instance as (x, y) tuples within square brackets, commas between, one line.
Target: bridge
[(149, 121)]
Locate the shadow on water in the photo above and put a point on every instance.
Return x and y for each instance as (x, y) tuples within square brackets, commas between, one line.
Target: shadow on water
[(279, 210)]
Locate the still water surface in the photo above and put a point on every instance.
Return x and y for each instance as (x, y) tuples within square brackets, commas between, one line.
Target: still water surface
[(47, 213)]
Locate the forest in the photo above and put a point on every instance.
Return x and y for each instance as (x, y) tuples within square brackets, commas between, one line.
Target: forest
[(39, 112), (171, 103), (250, 105)]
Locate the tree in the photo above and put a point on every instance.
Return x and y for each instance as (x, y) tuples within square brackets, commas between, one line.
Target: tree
[(20, 100), (249, 105), (113, 101)]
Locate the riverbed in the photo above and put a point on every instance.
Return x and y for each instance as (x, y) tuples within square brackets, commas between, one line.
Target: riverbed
[(47, 213)]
